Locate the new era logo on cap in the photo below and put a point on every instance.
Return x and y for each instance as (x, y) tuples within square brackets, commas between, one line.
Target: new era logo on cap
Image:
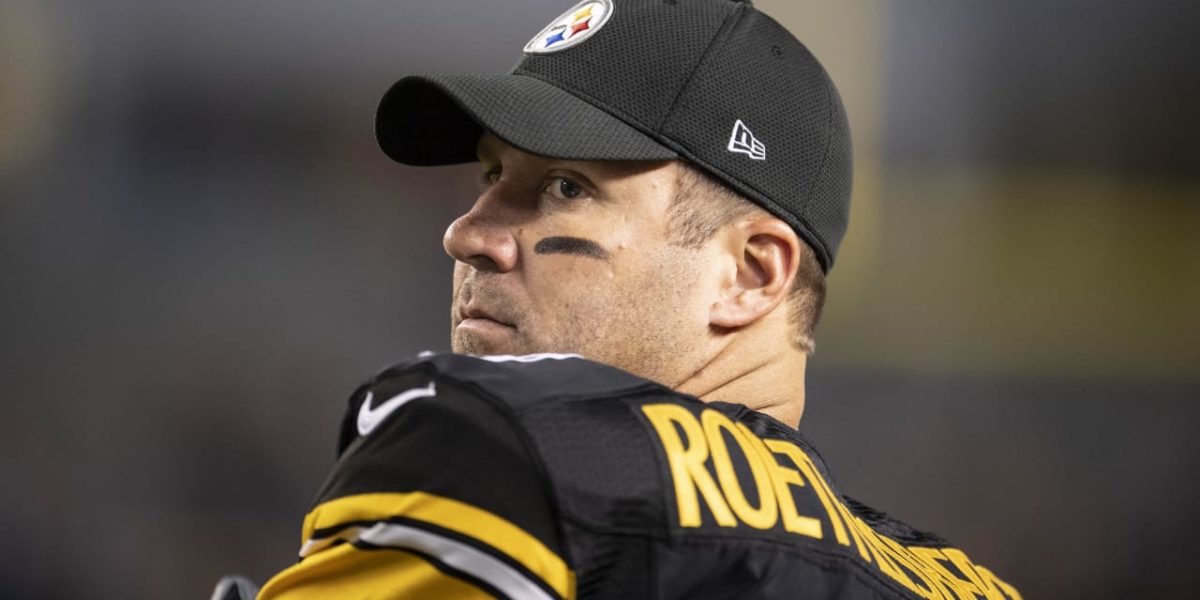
[(744, 142)]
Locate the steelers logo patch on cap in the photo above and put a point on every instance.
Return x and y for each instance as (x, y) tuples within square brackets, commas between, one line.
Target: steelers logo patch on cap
[(572, 28)]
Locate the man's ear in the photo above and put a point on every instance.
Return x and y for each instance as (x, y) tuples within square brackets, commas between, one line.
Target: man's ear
[(765, 254)]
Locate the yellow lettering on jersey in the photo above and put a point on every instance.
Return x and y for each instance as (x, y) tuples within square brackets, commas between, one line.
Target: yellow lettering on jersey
[(781, 478), (686, 461), (888, 555), (960, 561), (919, 569), (826, 497), (869, 543), (767, 513), (931, 558), (920, 582), (995, 583)]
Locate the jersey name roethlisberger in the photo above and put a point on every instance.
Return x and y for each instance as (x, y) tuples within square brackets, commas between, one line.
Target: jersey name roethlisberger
[(701, 453)]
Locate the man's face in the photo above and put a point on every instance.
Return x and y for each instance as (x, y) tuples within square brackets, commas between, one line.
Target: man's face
[(574, 256)]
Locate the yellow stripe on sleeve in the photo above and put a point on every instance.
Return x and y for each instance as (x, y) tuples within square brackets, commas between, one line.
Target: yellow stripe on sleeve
[(344, 571), (470, 521)]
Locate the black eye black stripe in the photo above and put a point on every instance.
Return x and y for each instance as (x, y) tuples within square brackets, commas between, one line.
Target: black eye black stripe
[(562, 244)]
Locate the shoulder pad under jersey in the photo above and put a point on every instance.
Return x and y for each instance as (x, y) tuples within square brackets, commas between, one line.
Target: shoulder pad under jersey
[(520, 381)]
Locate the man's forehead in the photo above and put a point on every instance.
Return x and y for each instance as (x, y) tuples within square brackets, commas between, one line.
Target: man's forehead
[(490, 148)]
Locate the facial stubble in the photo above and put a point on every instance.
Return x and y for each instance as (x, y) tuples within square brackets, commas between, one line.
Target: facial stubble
[(635, 324)]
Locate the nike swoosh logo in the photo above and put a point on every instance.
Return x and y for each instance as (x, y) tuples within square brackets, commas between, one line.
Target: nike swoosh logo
[(369, 418)]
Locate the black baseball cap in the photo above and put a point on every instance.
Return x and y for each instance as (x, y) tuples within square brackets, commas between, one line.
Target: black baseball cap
[(715, 82)]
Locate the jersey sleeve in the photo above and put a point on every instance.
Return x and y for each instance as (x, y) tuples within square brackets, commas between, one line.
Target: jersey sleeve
[(435, 494)]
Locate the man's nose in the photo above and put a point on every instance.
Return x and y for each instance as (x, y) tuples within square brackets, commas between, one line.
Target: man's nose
[(483, 236)]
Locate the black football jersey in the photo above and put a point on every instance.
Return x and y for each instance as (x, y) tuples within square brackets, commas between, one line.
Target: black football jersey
[(553, 477)]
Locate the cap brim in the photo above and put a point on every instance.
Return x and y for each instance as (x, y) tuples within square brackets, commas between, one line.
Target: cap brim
[(430, 120)]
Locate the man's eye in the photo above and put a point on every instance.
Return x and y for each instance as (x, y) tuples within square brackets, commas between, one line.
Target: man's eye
[(563, 188), (490, 176)]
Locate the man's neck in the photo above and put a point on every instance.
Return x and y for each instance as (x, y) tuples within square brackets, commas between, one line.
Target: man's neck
[(767, 380)]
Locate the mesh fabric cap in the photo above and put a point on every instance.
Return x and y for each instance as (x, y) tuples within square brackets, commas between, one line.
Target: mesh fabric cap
[(440, 118), (660, 79)]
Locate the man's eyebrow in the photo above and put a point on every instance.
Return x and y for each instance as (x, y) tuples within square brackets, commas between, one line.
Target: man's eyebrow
[(484, 155), (484, 151)]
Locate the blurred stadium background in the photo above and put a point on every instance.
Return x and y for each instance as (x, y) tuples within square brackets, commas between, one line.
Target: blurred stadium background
[(203, 252)]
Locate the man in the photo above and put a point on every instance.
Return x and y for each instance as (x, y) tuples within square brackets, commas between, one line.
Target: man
[(663, 187)]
